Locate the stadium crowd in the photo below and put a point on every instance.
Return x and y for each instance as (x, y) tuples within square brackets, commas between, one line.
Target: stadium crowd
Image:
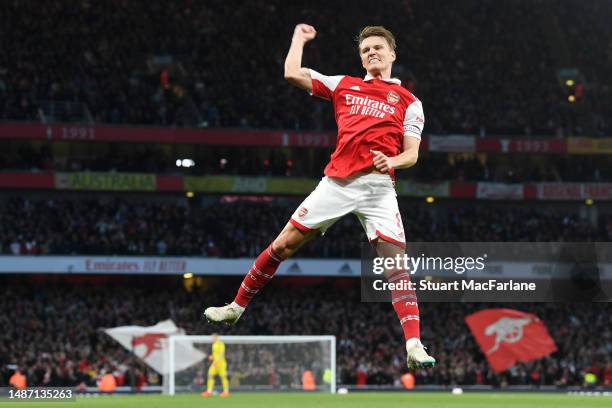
[(115, 226), (591, 19), (56, 339), (491, 70), (306, 163), (479, 67)]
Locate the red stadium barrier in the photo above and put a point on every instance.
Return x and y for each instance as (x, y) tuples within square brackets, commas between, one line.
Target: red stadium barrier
[(27, 180), (433, 143), (501, 144), (107, 133), (84, 181)]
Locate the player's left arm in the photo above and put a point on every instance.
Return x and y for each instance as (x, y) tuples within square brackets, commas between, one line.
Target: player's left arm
[(414, 122), (409, 156), (404, 160)]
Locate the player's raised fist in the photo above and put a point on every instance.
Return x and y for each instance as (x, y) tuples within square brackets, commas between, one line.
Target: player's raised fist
[(304, 32)]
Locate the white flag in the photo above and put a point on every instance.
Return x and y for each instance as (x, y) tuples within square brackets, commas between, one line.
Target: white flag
[(151, 344)]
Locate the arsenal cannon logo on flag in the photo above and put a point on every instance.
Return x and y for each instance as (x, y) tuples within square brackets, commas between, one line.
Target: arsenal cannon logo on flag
[(506, 336), (150, 345)]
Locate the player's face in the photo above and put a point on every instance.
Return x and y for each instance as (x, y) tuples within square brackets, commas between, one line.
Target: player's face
[(376, 55)]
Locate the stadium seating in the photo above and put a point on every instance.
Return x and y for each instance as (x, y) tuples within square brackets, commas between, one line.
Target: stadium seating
[(177, 64), (196, 71), (297, 162), (57, 340), (122, 226)]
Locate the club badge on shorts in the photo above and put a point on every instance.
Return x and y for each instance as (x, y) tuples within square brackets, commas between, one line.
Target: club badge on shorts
[(302, 212)]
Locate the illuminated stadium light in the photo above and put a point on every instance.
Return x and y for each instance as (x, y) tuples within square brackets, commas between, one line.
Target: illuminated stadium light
[(589, 201), (190, 194), (185, 163), (188, 275), (430, 200), (571, 99), (569, 82)]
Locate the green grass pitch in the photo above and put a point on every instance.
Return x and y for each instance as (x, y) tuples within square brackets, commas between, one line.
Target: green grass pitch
[(352, 400)]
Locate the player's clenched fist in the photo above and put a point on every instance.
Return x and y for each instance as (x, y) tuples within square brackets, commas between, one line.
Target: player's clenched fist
[(382, 162), (304, 32)]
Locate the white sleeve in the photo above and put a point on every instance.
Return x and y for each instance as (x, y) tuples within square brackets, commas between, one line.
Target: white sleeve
[(323, 85), (414, 121)]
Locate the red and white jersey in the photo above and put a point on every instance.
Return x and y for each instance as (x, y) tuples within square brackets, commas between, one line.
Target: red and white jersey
[(371, 114)]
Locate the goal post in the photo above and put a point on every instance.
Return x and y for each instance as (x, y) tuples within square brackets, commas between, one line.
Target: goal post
[(258, 363)]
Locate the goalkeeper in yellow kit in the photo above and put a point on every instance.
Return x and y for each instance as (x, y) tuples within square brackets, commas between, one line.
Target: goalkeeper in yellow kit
[(218, 367)]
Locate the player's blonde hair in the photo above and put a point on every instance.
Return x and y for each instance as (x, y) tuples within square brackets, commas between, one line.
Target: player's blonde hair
[(378, 31)]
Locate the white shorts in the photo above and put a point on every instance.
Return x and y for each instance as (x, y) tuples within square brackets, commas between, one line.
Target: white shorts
[(371, 197)]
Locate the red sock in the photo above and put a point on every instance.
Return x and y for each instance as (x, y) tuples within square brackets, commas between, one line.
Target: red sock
[(406, 307), (259, 275)]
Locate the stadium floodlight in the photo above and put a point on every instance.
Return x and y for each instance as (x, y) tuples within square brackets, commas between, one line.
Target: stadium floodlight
[(270, 363), (185, 163)]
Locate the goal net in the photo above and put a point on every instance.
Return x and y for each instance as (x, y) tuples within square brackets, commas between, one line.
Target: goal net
[(259, 363)]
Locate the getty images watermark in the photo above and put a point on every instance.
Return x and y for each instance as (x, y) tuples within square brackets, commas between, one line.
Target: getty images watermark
[(458, 265), (489, 272)]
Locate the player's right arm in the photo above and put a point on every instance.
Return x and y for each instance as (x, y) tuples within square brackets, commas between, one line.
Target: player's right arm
[(294, 73)]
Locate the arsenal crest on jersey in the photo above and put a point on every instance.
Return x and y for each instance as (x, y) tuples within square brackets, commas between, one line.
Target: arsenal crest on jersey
[(393, 97), (302, 212)]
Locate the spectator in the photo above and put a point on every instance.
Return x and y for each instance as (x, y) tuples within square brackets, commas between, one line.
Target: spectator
[(18, 380)]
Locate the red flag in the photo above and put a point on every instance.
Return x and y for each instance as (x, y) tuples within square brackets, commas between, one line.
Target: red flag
[(506, 336)]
